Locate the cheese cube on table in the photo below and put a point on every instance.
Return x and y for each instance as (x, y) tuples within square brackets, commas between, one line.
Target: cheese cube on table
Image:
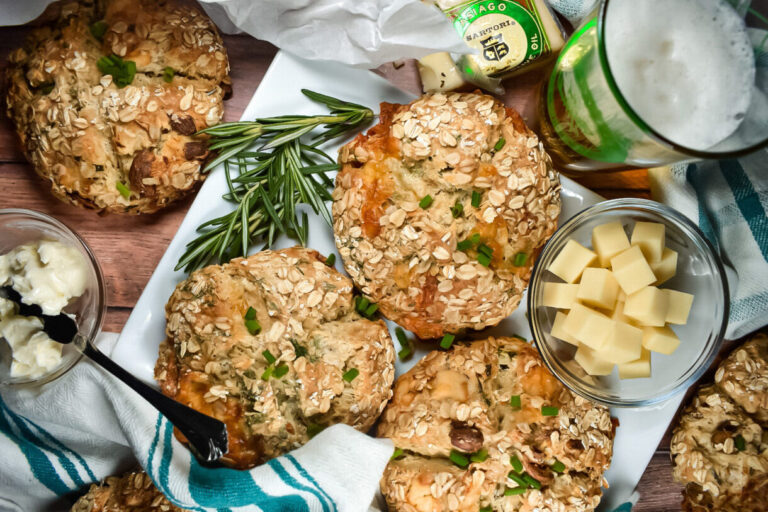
[(559, 332), (623, 344), (559, 295), (637, 369), (598, 288), (608, 240), (591, 362), (588, 326), (660, 339), (439, 73), (631, 270), (666, 268), (649, 236), (679, 306), (648, 306), (571, 262)]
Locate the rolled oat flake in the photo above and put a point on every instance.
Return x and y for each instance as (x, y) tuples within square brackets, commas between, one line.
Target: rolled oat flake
[(509, 34)]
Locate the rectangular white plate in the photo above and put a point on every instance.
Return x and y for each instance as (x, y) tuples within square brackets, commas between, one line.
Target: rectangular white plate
[(279, 93)]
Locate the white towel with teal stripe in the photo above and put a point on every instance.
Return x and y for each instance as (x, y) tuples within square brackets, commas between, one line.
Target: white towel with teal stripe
[(85, 426)]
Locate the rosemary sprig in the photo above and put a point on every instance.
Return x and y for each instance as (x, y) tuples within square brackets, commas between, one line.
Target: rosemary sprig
[(267, 183)]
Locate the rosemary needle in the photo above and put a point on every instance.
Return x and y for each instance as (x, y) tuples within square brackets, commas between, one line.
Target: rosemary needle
[(269, 169)]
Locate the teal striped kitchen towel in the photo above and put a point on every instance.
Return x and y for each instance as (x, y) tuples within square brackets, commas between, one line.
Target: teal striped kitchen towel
[(50, 452)]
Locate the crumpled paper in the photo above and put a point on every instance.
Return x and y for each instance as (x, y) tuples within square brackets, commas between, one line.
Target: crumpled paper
[(361, 33)]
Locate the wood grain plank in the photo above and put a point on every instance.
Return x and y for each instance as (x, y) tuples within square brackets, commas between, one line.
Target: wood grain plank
[(658, 491)]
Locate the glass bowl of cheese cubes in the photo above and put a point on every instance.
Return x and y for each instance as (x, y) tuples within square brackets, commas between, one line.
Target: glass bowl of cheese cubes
[(628, 303)]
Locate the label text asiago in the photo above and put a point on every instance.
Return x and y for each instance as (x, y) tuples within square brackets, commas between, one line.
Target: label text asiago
[(491, 29)]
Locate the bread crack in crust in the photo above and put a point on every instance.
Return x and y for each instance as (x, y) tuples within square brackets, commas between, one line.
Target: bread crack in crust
[(279, 381), (465, 400), (133, 492), (441, 209), (720, 447), (129, 149)]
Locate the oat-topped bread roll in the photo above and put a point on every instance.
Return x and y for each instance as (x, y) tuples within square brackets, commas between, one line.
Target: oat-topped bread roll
[(272, 346), (471, 420), (106, 99), (719, 447), (440, 210), (133, 492)]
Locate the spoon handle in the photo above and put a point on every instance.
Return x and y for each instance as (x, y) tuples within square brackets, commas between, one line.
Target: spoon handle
[(207, 436)]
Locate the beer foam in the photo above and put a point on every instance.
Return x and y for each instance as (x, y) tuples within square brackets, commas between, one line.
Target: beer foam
[(685, 66)]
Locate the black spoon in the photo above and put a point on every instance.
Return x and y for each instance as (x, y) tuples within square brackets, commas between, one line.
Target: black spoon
[(207, 436)]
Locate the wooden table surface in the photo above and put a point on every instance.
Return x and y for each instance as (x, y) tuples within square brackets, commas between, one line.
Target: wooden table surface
[(129, 247)]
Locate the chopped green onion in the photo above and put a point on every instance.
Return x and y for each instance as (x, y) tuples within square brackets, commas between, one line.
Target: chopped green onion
[(464, 245), (397, 453), (253, 327), (447, 341), (457, 210), (267, 373), (532, 482), (486, 509), (475, 239), (168, 74), (425, 202), (514, 491), (122, 71), (499, 144), (401, 337), (740, 443), (280, 371), (124, 191), (484, 249), (547, 410), (484, 259), (520, 259), (330, 260), (313, 429), (269, 357), (516, 464), (557, 466), (479, 456), (98, 29), (517, 479), (459, 458), (476, 198), (515, 402), (404, 353), (371, 310), (250, 314), (350, 375), (361, 303)]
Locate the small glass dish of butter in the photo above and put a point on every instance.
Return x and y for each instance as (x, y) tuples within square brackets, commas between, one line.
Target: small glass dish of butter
[(48, 264), (628, 303)]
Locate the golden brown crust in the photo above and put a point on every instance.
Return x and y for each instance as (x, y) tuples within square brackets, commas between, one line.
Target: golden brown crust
[(308, 323), (405, 257), (460, 399), (133, 492), (85, 135), (744, 376)]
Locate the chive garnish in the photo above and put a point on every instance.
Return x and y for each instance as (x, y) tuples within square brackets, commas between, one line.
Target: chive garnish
[(404, 353), (425, 202), (350, 375), (267, 373), (514, 491), (479, 456), (476, 198), (361, 304), (532, 482), (371, 310), (122, 71), (520, 259), (464, 245), (499, 144), (484, 259), (457, 210), (250, 314), (740, 443), (475, 238), (279, 371), (124, 190), (485, 509), (401, 337), (459, 459), (269, 357), (484, 249), (253, 326), (397, 453), (557, 466), (547, 410), (516, 464), (447, 341), (330, 260), (168, 74), (517, 479), (515, 402), (98, 29)]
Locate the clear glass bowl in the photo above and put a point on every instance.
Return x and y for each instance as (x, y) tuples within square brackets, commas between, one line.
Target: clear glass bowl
[(699, 272), (19, 226)]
